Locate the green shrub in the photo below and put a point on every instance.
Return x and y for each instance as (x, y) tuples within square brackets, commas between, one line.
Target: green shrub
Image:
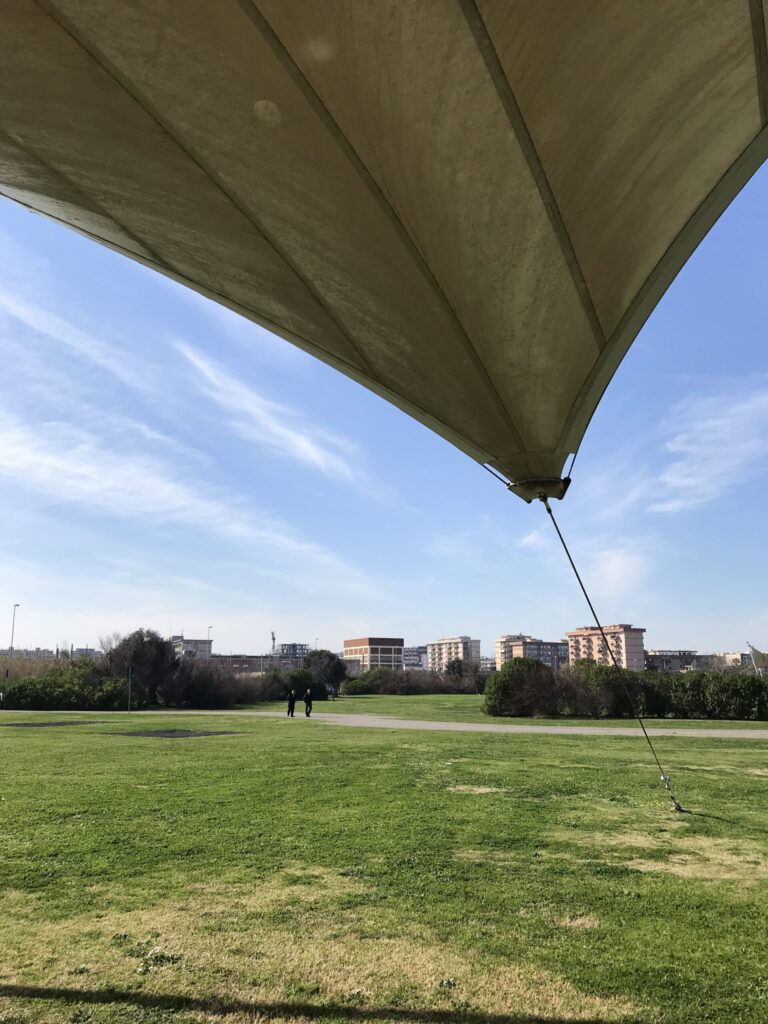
[(253, 689), (79, 684), (358, 686), (522, 688)]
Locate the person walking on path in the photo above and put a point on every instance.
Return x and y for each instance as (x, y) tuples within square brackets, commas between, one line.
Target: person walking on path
[(291, 703), (308, 703)]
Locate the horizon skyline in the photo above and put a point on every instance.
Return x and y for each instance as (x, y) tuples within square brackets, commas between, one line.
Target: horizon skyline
[(339, 650)]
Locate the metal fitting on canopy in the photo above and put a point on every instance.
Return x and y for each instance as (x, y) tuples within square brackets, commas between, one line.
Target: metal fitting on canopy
[(547, 487)]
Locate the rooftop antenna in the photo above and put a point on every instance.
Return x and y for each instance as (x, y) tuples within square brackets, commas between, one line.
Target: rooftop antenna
[(274, 649)]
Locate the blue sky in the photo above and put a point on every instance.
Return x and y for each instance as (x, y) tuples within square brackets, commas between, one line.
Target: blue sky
[(165, 463)]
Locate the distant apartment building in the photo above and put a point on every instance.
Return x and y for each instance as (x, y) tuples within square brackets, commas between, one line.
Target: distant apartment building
[(87, 652), (626, 643), (452, 648), (373, 652), (517, 645), (487, 664), (723, 661), (670, 661), (292, 650), (37, 653), (257, 664), (184, 647), (415, 658), (504, 646)]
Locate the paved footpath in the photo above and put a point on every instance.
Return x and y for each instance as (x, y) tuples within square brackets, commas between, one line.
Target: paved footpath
[(382, 722)]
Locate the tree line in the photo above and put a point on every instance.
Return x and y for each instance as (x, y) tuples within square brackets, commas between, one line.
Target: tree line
[(143, 667), (526, 688)]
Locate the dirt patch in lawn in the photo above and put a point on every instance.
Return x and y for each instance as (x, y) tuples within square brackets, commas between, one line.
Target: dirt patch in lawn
[(177, 734)]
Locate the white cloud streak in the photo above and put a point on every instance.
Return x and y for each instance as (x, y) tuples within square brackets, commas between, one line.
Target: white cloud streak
[(72, 466), (719, 443), (83, 345), (269, 425), (534, 540)]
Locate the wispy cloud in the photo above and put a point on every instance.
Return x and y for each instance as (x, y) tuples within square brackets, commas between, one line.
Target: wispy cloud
[(618, 573), (535, 540), (269, 425), (82, 344), (73, 466), (718, 443)]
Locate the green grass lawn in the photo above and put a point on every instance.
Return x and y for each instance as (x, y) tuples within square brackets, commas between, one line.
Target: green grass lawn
[(298, 871), (468, 707)]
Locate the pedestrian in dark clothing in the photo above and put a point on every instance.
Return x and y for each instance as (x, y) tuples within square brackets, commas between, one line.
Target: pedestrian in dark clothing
[(291, 703), (308, 703)]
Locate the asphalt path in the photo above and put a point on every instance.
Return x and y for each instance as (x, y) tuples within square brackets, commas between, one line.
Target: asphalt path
[(382, 722)]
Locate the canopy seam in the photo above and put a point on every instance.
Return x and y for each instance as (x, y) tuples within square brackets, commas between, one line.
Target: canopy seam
[(95, 204), (527, 146), (342, 141), (757, 23), (662, 275), (53, 12)]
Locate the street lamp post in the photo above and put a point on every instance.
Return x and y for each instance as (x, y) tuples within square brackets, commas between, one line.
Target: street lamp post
[(13, 627)]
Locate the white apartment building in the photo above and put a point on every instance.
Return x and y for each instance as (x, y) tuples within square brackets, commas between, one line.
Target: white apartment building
[(415, 658), (451, 648), (625, 641), (183, 647)]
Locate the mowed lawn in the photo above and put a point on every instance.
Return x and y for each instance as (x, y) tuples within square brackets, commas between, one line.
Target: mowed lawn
[(299, 871)]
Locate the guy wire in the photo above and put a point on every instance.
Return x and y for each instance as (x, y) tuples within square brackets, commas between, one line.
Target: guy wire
[(664, 777)]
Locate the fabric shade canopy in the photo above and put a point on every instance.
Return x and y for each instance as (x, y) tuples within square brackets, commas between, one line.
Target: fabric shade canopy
[(468, 206)]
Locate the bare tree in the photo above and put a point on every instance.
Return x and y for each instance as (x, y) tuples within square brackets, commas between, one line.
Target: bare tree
[(109, 642)]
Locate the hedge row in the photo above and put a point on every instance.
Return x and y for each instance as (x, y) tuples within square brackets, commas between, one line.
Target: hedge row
[(81, 684), (389, 681), (525, 688)]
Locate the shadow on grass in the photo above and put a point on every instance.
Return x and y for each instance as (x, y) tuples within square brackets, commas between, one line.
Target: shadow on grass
[(268, 1011)]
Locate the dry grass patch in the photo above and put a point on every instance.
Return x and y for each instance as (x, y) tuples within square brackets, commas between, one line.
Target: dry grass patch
[(659, 830), (500, 857), (612, 840), (581, 921), (555, 919), (684, 855), (262, 952), (725, 769), (476, 789), (714, 860)]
